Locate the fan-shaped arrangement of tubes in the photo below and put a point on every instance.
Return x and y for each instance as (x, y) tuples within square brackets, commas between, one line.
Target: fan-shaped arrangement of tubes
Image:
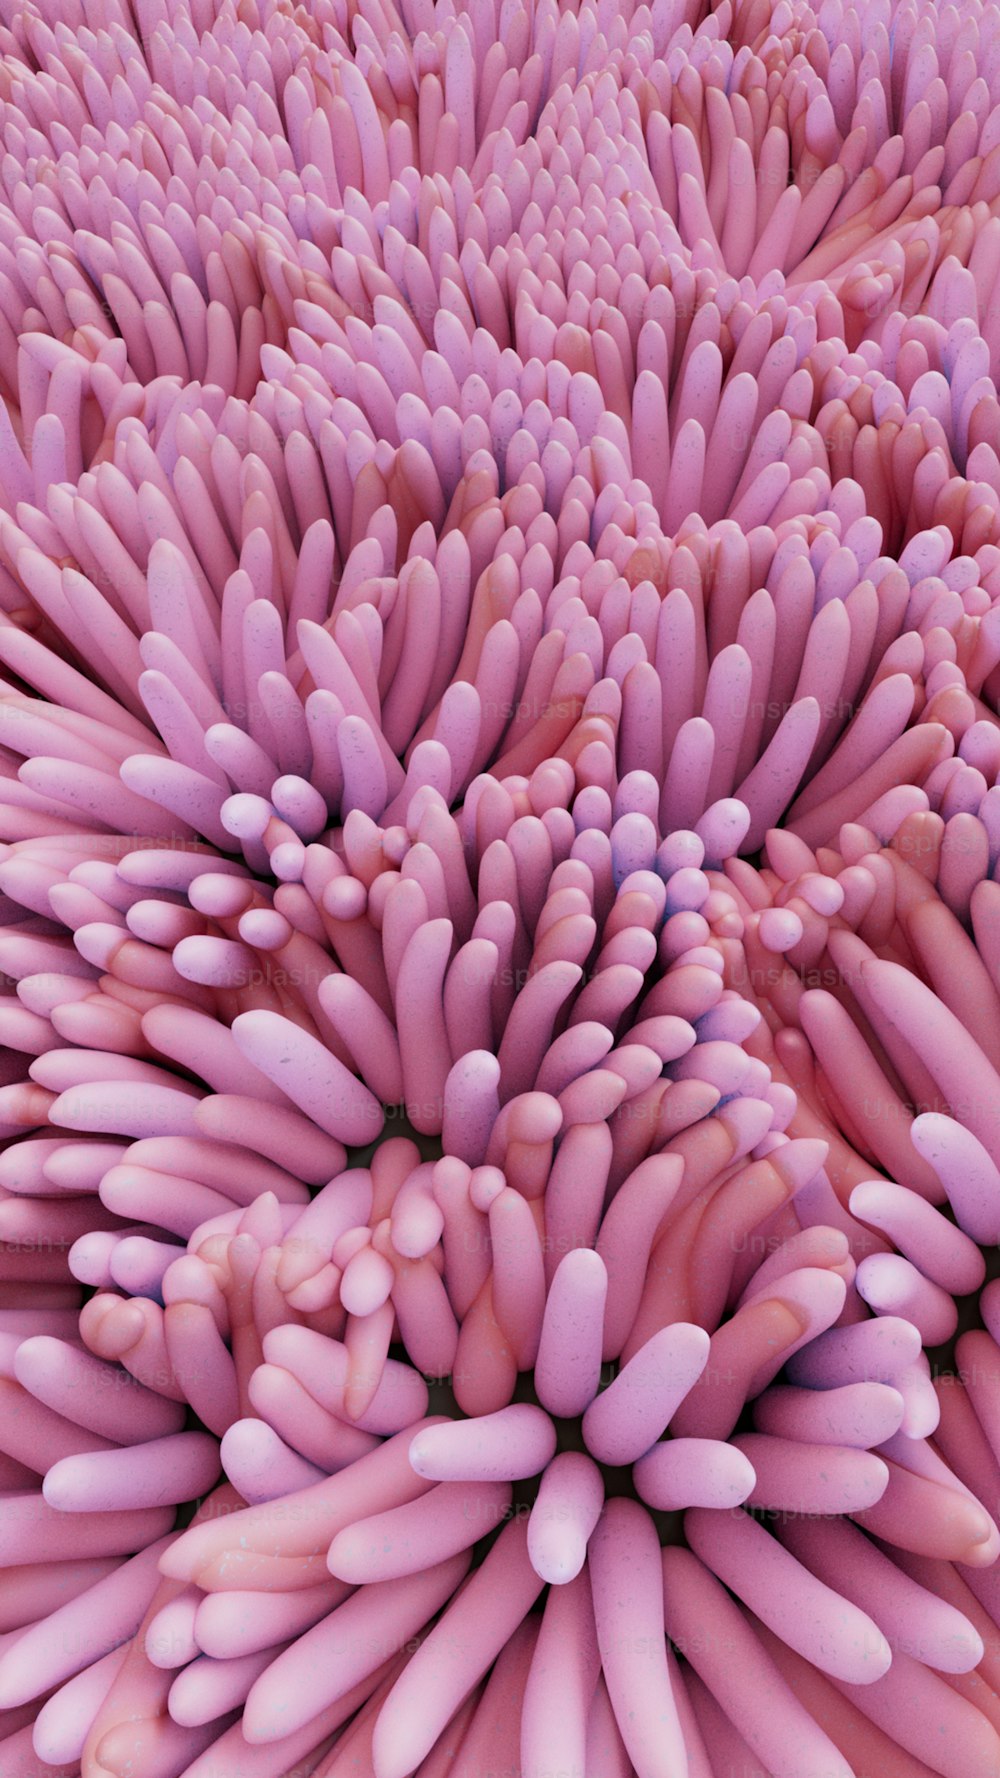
[(499, 892)]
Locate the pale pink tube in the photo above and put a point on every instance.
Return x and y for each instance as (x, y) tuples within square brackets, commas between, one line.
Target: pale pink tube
[(870, 1351), (630, 1415), (32, 1434), (725, 1748), (681, 1682), (817, 1295), (352, 1748), (27, 1321), (166, 1470), (90, 1258), (517, 1441), (684, 1472), (180, 1205), (455, 1655), (960, 1436), (465, 1236), (837, 1638), (628, 1613), (860, 1414), (567, 1368), (890, 1285), (322, 1366), (233, 1169), (928, 1718), (708, 1628), (427, 1531), (169, 1639), (126, 1108), (795, 1477), (198, 1353), (565, 1512), (273, 1132), (574, 1193), (207, 1689), (423, 1042), (626, 1237), (921, 1234), (561, 1682), (28, 1593), (272, 1759), (978, 1358), (814, 1247), (967, 1170), (954, 1058), (518, 1273), (261, 1465), (383, 1478), (329, 1660), (738, 1350), (370, 1037), (855, 1075), (607, 1755), (94, 1394), (80, 1632), (416, 1220), (137, 1264), (317, 1083), (440, 1760), (62, 1724), (470, 1105), (229, 1625), (912, 1618), (316, 1437), (345, 1203), (494, 1735), (925, 1509), (56, 1537)]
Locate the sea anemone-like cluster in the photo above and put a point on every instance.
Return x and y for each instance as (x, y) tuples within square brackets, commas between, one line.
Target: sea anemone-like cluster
[(499, 889)]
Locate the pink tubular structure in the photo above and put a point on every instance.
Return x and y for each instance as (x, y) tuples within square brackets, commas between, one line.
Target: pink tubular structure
[(499, 889)]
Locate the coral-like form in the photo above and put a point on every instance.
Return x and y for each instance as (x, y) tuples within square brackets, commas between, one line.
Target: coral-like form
[(499, 894)]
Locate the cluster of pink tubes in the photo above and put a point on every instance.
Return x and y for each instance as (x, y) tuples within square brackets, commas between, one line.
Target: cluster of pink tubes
[(499, 889)]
